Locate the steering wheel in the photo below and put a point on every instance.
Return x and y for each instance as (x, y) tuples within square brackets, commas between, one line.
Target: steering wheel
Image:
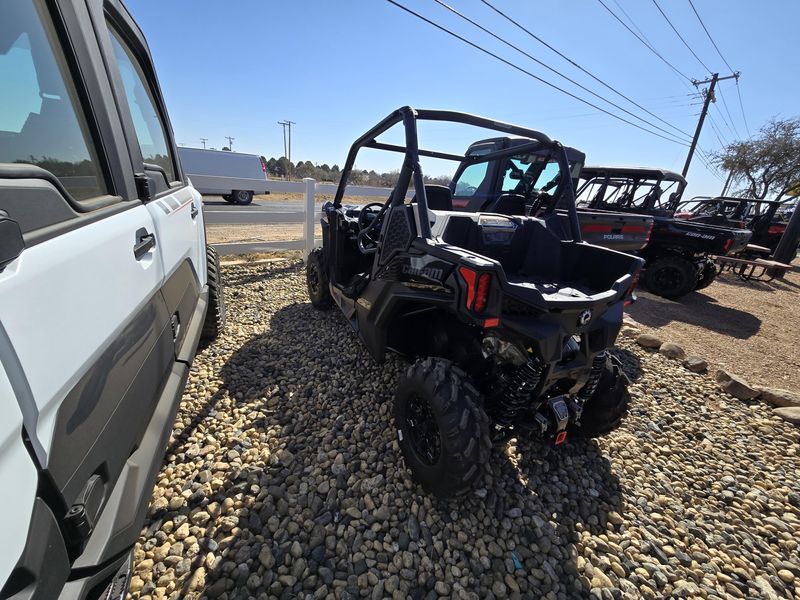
[(541, 201), (467, 190), (367, 244)]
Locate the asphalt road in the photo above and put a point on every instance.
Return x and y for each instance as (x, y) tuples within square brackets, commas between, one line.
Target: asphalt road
[(219, 212)]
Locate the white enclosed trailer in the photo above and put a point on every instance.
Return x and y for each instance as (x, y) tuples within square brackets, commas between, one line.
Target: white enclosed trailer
[(233, 175)]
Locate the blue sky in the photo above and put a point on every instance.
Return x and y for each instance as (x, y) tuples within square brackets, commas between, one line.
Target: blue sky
[(337, 67)]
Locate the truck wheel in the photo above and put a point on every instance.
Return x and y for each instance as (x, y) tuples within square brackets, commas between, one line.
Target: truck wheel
[(605, 409), (670, 277), (317, 280), (708, 274), (215, 315), (228, 198), (242, 196), (443, 432)]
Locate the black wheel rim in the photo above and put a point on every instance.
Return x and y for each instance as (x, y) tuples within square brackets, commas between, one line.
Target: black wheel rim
[(423, 430), (313, 279), (669, 278)]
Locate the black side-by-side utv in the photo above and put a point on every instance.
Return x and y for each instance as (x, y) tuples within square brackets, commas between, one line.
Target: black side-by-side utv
[(679, 254), (507, 319)]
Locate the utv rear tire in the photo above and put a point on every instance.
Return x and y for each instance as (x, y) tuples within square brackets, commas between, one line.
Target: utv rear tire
[(242, 197), (670, 277), (443, 432), (216, 313), (605, 409), (707, 275), (317, 281)]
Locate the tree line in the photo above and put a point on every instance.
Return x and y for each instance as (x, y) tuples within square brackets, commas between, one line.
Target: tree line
[(282, 168)]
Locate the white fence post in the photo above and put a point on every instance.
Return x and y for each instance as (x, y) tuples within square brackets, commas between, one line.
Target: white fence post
[(311, 209)]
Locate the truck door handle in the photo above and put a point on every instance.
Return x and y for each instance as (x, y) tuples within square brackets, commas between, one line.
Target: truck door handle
[(145, 241), (194, 211)]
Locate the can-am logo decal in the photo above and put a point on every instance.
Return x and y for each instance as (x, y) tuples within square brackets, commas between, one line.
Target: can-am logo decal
[(584, 317), (428, 272), (704, 236)]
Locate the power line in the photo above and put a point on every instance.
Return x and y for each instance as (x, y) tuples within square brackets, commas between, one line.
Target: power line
[(569, 60), (724, 120), (548, 67), (697, 14), (725, 104), (744, 118), (713, 43), (706, 159), (635, 26), (720, 138), (526, 72), (685, 43), (647, 44)]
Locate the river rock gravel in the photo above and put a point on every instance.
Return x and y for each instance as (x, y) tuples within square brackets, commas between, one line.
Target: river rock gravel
[(283, 479)]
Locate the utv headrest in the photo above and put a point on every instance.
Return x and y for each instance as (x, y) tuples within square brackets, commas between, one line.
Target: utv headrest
[(512, 205), (439, 197)]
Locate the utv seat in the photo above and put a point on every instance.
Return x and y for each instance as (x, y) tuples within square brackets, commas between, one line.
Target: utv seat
[(512, 205), (439, 197)]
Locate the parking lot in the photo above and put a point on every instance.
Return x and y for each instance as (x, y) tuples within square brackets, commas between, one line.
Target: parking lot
[(283, 479)]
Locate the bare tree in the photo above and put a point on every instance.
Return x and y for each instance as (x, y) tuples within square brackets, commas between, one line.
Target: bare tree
[(768, 165)]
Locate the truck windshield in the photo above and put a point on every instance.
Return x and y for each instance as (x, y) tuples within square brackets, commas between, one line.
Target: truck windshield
[(525, 174)]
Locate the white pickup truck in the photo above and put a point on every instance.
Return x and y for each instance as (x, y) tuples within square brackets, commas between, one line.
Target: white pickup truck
[(106, 288)]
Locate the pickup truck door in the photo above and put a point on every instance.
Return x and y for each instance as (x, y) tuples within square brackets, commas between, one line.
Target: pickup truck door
[(16, 466), (175, 207), (85, 342)]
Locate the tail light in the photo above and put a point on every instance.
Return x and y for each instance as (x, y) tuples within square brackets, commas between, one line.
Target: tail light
[(727, 245), (649, 231), (482, 295), (630, 295), (774, 229), (478, 288), (263, 167), (469, 277)]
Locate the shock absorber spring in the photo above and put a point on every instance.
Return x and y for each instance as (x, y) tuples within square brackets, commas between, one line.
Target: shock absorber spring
[(598, 364), (518, 385)]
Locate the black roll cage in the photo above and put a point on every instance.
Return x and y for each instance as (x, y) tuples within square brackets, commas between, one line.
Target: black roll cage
[(411, 166), (742, 204), (635, 177)]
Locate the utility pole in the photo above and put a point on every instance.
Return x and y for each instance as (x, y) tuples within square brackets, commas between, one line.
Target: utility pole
[(287, 151), (230, 142), (709, 99), (203, 141), (727, 183)]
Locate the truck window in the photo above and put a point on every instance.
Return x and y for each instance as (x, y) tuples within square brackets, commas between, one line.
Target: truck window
[(471, 179), (520, 173), (150, 129), (41, 120)]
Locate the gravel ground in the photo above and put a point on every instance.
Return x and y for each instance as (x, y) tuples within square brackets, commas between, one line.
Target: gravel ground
[(283, 479), (748, 328)]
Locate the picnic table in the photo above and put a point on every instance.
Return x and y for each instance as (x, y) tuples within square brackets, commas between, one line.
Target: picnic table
[(759, 269), (758, 251)]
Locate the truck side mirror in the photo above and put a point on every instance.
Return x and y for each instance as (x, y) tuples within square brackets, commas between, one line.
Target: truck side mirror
[(11, 241)]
